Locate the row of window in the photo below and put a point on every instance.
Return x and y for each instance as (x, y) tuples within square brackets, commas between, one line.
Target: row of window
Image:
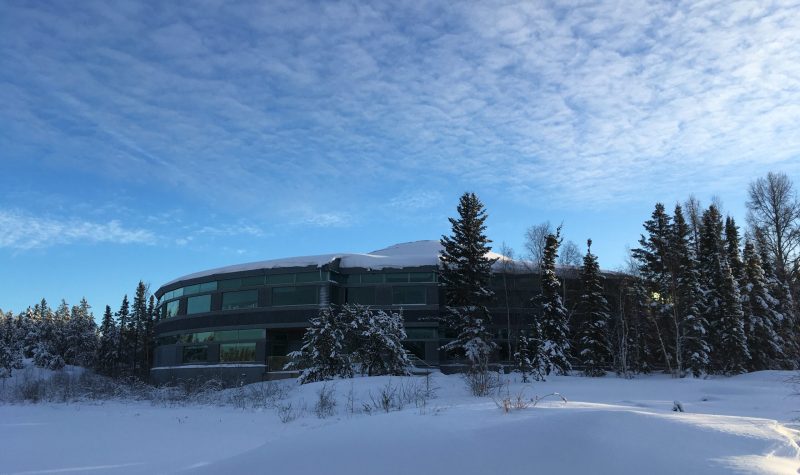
[(254, 281), (300, 278), (217, 336), (228, 353), (295, 295)]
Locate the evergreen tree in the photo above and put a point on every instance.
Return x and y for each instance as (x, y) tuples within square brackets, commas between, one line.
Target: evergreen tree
[(323, 355), (10, 345), (594, 351), (377, 340), (691, 327), (552, 332), (523, 358), (465, 274), (148, 335), (123, 350), (81, 336), (782, 305), (42, 338), (136, 329), (657, 277), (732, 249), (721, 305), (765, 344), (108, 348)]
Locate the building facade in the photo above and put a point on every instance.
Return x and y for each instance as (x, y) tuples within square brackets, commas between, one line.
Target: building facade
[(241, 322)]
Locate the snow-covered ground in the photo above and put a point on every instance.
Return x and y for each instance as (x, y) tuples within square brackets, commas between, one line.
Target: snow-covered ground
[(609, 425)]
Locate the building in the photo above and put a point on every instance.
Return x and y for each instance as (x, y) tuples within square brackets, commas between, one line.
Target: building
[(240, 322)]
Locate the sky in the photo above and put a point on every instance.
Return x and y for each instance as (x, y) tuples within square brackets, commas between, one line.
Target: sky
[(148, 140)]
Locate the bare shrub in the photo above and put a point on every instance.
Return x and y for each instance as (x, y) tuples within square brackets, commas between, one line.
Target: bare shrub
[(288, 412), (326, 401), (482, 382)]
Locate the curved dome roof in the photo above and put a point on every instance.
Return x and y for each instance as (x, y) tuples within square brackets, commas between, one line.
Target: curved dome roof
[(408, 254)]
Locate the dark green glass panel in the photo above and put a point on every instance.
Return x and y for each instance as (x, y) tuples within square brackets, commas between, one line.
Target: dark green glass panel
[(243, 299), (198, 304), (397, 277), (421, 276), (237, 352), (280, 279), (360, 295), (195, 354), (372, 278)]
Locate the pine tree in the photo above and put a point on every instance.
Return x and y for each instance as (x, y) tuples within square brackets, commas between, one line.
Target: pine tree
[(523, 358), (692, 328), (721, 305), (656, 269), (732, 249), (761, 320), (782, 306), (148, 335), (108, 348), (323, 355), (43, 338), (123, 350), (552, 332), (81, 336), (465, 274), (10, 345), (594, 351), (377, 339), (136, 329)]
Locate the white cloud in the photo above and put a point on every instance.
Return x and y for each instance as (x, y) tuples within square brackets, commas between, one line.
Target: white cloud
[(289, 101), (23, 232)]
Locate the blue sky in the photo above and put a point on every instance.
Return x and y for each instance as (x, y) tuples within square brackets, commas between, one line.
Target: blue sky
[(146, 140)]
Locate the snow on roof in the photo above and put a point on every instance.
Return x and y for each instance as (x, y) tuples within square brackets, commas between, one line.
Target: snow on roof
[(409, 254)]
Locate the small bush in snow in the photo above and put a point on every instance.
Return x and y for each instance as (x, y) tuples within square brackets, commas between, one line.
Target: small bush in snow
[(288, 412), (482, 382), (326, 401)]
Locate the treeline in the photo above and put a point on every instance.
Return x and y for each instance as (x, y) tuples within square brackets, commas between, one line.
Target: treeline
[(121, 346), (703, 299)]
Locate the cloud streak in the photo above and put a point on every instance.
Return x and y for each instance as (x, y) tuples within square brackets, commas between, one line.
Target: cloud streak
[(24, 232), (278, 106)]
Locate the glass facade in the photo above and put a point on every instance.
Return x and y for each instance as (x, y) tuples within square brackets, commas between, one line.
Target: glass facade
[(422, 333), (198, 304), (242, 299), (360, 295), (195, 354), (237, 352), (211, 336), (171, 309), (302, 295), (408, 295)]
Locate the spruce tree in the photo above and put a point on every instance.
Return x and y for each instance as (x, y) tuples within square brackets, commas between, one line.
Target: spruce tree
[(124, 346), (108, 348), (376, 343), (136, 329), (594, 351), (763, 340), (782, 305), (465, 273), (732, 249), (10, 345), (324, 354), (81, 336), (692, 328), (523, 358), (656, 271), (551, 332), (721, 306)]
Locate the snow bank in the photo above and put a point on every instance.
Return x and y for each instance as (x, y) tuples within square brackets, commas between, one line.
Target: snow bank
[(609, 425)]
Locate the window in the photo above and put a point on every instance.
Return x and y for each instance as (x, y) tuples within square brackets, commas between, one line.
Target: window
[(226, 335), (253, 334), (200, 337), (308, 277), (408, 295), (167, 340), (280, 279), (172, 308), (195, 354), (422, 277), (397, 277), (230, 284), (243, 299), (371, 278), (233, 352), (199, 304), (252, 281), (306, 295), (362, 295)]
